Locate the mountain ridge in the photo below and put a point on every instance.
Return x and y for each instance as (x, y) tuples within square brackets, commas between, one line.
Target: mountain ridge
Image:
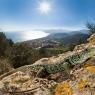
[(68, 38)]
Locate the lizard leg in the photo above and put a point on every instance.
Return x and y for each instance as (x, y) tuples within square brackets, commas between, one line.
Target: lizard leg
[(41, 72)]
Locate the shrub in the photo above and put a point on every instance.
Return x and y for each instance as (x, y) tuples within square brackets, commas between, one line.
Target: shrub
[(23, 54), (4, 66), (91, 27)]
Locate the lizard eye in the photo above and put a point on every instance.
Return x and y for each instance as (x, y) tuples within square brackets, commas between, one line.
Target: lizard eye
[(86, 50)]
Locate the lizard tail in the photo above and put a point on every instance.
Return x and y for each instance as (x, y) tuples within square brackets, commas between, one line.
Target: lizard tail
[(8, 73)]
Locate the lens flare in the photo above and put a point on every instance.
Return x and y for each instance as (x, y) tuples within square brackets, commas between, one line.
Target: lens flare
[(44, 7)]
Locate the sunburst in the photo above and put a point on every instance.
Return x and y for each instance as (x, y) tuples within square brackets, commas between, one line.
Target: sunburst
[(44, 7)]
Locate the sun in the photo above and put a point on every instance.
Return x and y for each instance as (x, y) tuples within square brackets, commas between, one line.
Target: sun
[(44, 7)]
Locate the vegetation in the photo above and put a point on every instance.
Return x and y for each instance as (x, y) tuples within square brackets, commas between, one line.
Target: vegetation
[(48, 52), (4, 44), (91, 27), (22, 54), (4, 66), (17, 54)]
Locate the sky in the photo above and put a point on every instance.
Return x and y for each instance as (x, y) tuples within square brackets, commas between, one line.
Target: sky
[(63, 14)]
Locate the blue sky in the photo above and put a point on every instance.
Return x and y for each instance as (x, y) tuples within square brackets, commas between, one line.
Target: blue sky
[(65, 14)]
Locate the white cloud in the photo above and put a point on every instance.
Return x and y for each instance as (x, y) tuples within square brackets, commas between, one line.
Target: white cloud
[(15, 27)]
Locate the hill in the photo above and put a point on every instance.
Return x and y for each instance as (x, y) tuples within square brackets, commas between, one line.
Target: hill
[(61, 38)]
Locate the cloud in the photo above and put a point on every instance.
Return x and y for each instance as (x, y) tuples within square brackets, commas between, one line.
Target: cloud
[(18, 27)]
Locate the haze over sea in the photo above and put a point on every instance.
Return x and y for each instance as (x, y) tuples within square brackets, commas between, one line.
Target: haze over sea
[(20, 36)]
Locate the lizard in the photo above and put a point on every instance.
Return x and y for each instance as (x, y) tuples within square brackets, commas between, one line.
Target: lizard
[(67, 63)]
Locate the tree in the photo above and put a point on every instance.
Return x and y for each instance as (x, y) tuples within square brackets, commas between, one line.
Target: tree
[(91, 27), (4, 44), (10, 41)]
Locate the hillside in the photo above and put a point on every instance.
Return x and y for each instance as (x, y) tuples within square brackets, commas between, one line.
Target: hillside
[(59, 38), (79, 81)]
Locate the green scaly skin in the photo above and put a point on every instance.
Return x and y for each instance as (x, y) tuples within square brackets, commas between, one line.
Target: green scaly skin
[(63, 65)]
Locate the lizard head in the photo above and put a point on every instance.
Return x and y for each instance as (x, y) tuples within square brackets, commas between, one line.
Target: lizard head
[(90, 51)]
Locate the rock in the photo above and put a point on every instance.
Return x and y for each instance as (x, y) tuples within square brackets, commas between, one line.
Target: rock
[(91, 40), (83, 84), (20, 82)]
